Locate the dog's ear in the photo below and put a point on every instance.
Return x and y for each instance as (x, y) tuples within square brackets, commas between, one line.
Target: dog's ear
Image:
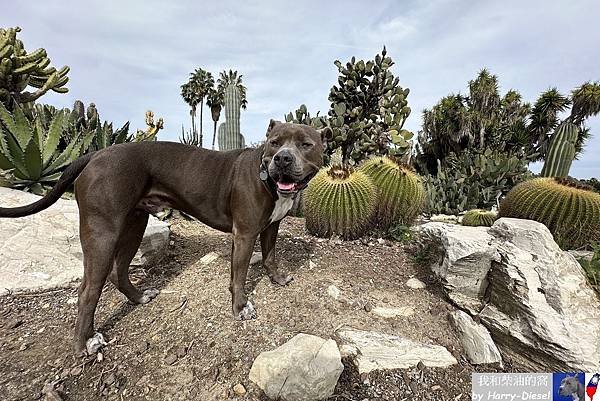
[(272, 125), (326, 134)]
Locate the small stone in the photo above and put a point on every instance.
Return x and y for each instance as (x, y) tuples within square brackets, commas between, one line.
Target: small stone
[(369, 306), (333, 292), (436, 387), (381, 241), (171, 243), (13, 324), (76, 371), (181, 351), (170, 359), (415, 283), (239, 389), (109, 379), (72, 301), (99, 357), (385, 300), (23, 347)]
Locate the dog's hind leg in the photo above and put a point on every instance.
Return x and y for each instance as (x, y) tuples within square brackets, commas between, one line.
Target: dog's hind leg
[(98, 245), (127, 245)]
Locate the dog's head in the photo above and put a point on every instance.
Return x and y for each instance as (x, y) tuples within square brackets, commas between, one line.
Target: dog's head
[(569, 385), (293, 155)]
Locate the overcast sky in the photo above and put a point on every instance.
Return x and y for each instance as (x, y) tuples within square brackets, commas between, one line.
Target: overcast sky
[(130, 56)]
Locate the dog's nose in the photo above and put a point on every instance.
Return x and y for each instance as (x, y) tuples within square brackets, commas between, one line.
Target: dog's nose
[(283, 158)]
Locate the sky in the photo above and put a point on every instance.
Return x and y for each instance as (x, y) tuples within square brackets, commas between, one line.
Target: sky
[(131, 56)]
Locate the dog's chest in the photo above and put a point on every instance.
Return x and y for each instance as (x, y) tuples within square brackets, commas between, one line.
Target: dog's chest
[(282, 206)]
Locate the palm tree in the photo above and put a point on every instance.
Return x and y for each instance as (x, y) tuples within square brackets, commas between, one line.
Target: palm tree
[(214, 100), (232, 77), (202, 82), (187, 93)]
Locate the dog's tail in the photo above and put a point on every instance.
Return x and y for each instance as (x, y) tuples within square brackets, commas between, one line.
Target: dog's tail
[(65, 181)]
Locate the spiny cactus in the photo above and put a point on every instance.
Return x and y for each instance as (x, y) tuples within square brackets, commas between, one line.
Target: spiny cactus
[(479, 217), (570, 210), (20, 69), (401, 191), (229, 131), (152, 128), (339, 201), (562, 151)]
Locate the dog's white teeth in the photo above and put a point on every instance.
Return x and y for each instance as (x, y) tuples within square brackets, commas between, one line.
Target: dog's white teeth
[(94, 343)]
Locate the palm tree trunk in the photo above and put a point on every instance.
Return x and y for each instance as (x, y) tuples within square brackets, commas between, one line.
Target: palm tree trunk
[(201, 108), (214, 135), (193, 122)]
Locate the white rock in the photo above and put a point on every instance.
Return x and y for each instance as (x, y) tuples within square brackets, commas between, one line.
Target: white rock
[(475, 339), (305, 368), (42, 251), (371, 350), (256, 258), (444, 218), (390, 312), (464, 257), (334, 292), (209, 258), (532, 296), (415, 283)]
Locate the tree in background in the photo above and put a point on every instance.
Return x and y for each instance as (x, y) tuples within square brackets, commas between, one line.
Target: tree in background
[(194, 92), (214, 100)]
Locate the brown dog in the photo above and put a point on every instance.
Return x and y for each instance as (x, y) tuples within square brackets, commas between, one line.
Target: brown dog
[(245, 192)]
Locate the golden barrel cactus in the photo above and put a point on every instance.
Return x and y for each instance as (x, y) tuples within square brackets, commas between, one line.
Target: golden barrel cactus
[(570, 210), (479, 218), (339, 201)]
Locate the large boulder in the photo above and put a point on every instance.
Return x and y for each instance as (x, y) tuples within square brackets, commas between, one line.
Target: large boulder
[(42, 251), (305, 368), (370, 350), (535, 299)]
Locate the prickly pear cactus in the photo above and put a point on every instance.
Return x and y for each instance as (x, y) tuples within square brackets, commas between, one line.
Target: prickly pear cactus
[(229, 132), (562, 151), (479, 218), (571, 211), (20, 69), (401, 191), (339, 201), (152, 128)]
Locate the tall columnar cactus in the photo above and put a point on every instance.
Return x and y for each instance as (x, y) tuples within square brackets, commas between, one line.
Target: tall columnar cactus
[(20, 69), (571, 211), (562, 151), (401, 191), (339, 201), (229, 131)]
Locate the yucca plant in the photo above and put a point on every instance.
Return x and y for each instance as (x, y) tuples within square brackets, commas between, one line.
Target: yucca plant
[(570, 210), (479, 218), (339, 201), (29, 150), (401, 191)]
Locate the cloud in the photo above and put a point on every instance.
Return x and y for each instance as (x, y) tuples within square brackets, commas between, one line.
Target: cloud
[(131, 56)]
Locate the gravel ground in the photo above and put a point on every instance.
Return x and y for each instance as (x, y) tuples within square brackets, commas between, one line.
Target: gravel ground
[(185, 345)]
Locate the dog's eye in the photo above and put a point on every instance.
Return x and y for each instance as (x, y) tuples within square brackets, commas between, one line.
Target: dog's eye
[(307, 145), (275, 144)]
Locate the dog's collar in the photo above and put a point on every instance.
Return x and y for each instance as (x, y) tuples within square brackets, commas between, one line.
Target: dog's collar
[(266, 179)]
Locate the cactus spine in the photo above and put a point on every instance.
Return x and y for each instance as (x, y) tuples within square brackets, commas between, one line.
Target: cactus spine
[(562, 151), (571, 211), (339, 201), (229, 131)]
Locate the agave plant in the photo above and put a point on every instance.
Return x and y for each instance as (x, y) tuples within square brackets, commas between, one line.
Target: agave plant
[(30, 156)]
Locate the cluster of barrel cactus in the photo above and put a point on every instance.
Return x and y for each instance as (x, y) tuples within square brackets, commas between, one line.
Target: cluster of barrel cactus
[(400, 189), (229, 135), (479, 218), (20, 69), (340, 201), (571, 211)]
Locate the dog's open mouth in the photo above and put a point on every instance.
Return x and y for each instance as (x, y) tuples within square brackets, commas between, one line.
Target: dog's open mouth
[(287, 185)]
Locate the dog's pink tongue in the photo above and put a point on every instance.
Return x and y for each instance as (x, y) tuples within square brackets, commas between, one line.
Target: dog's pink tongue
[(285, 187)]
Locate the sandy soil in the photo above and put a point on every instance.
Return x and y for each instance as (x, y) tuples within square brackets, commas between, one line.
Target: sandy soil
[(185, 345)]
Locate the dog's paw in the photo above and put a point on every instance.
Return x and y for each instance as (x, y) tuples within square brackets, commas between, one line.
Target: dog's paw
[(94, 343), (248, 312), (282, 279), (148, 295)]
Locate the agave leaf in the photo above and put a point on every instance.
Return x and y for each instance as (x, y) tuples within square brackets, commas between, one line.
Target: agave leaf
[(18, 157), (51, 178), (23, 132), (53, 136), (5, 156), (33, 160), (121, 134), (7, 119), (63, 159), (85, 143)]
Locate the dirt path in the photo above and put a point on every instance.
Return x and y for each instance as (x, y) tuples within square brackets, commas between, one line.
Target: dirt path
[(185, 345)]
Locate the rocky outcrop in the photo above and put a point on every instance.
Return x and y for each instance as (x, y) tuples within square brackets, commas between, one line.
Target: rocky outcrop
[(532, 296), (42, 251), (371, 350), (475, 339), (305, 368)]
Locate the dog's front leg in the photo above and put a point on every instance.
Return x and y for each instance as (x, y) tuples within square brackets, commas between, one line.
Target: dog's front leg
[(241, 253), (268, 238)]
